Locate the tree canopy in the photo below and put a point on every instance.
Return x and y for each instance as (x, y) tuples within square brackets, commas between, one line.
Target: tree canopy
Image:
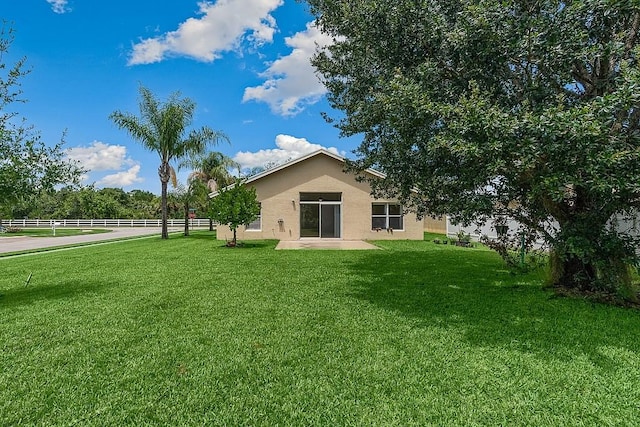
[(233, 206), (211, 169), (525, 109)]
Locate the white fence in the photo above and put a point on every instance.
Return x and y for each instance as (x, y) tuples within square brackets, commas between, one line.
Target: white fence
[(106, 223), (475, 232), (629, 226)]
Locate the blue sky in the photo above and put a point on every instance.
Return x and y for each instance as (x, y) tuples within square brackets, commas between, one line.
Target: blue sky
[(244, 63)]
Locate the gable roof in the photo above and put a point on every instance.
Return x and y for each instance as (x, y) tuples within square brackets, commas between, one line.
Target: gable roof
[(285, 165)]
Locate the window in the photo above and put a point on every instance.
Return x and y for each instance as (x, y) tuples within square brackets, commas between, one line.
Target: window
[(386, 216), (255, 225)]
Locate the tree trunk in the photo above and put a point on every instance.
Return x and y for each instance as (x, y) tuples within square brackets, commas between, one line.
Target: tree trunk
[(165, 231), (210, 224), (163, 172), (570, 272), (590, 258), (235, 242), (186, 219)]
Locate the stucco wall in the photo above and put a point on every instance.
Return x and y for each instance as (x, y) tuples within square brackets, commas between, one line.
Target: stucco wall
[(435, 225), (280, 191)]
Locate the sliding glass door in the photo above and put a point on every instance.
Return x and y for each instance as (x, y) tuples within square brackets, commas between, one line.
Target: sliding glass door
[(320, 215)]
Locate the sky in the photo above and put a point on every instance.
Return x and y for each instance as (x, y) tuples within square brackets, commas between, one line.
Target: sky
[(245, 63)]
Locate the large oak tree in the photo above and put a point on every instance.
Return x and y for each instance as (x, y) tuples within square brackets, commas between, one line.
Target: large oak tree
[(527, 109)]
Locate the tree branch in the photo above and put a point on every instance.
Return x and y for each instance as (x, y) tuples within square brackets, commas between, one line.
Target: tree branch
[(633, 32)]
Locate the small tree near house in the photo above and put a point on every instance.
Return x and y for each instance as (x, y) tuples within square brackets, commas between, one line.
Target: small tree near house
[(234, 206)]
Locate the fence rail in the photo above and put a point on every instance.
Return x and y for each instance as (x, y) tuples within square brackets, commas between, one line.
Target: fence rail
[(626, 225), (107, 223)]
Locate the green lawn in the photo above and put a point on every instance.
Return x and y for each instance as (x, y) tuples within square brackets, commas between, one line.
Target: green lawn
[(187, 332), (48, 232)]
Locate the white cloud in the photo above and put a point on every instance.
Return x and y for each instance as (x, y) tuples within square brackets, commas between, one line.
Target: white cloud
[(223, 26), (289, 147), (59, 6), (121, 179), (100, 156), (291, 82), (104, 157)]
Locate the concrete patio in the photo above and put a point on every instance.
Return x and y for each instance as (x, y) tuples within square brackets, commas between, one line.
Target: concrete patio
[(326, 244)]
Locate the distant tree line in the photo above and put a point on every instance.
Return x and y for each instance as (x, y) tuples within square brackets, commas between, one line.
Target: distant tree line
[(93, 203)]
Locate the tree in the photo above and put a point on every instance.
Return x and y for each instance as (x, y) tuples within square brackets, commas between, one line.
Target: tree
[(187, 195), (233, 206), (523, 109), (162, 127), (144, 204), (212, 169), (28, 166)]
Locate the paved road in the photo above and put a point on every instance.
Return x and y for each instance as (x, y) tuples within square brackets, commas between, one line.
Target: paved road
[(22, 243)]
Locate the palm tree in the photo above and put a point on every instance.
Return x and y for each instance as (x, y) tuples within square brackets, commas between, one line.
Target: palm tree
[(212, 169), (185, 196), (162, 127)]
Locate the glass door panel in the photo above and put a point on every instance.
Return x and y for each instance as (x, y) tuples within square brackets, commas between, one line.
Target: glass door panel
[(330, 221), (309, 220)]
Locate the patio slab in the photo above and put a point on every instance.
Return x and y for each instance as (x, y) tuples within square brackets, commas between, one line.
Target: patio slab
[(326, 244)]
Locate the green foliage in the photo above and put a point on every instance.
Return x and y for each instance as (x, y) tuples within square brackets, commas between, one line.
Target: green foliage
[(234, 206), (163, 128), (525, 109), (189, 196), (517, 254), (28, 166), (89, 203), (212, 170)]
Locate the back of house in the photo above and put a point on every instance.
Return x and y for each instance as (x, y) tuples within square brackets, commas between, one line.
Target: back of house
[(313, 198)]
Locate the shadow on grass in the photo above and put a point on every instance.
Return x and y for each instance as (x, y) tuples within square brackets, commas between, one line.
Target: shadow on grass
[(242, 244), (472, 293), (250, 244), (200, 235), (32, 293)]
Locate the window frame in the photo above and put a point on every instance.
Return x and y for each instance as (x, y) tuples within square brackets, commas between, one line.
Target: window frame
[(387, 215)]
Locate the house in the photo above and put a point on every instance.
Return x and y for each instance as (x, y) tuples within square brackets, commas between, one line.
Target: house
[(435, 225), (313, 198)]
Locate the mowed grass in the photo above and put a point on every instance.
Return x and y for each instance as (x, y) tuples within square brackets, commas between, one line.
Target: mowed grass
[(187, 332)]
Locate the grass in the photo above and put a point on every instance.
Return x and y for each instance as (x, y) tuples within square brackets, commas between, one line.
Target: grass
[(187, 332), (48, 232)]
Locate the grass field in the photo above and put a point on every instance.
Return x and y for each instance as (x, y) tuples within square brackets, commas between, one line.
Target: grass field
[(186, 332)]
